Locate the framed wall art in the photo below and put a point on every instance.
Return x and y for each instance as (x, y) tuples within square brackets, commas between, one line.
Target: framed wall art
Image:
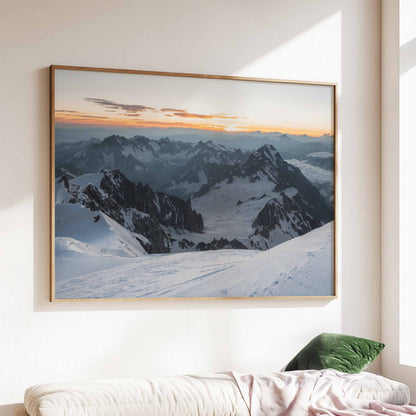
[(177, 186)]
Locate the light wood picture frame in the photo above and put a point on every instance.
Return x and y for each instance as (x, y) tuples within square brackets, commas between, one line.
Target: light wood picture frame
[(175, 186)]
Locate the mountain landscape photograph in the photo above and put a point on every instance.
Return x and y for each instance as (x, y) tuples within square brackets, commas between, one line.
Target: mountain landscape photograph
[(187, 187)]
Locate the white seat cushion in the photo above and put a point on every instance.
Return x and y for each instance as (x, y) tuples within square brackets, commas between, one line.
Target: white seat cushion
[(370, 386), (213, 395)]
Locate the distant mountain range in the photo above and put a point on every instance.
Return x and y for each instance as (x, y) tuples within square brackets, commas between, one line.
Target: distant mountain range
[(174, 196), (289, 145)]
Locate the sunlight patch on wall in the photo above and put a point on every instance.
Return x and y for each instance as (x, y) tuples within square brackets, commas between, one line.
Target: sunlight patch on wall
[(313, 55)]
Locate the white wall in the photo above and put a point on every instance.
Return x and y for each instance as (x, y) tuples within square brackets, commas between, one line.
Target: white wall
[(329, 40), (407, 146), (398, 83)]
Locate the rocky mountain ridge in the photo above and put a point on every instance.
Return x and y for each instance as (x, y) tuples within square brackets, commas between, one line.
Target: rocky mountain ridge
[(136, 207), (274, 197)]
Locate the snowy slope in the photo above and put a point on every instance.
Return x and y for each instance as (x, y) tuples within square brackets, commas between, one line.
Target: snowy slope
[(322, 178), (229, 209), (95, 229), (315, 174), (322, 155), (74, 258), (88, 241), (75, 185), (89, 178), (154, 275), (300, 267)]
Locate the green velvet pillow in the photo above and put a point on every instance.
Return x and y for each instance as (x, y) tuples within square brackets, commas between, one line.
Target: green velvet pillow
[(344, 353)]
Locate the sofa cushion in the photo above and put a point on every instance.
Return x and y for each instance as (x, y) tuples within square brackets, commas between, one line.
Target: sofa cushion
[(212, 395), (344, 353)]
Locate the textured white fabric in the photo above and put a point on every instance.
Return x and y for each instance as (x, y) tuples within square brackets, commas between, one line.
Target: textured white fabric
[(292, 393), (323, 392), (212, 395)]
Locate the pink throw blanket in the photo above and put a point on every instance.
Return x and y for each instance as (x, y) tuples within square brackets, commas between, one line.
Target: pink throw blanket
[(311, 392)]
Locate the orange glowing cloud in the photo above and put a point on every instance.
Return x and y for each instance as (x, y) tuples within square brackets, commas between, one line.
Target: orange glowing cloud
[(130, 121), (285, 130), (183, 113), (100, 121), (69, 116)]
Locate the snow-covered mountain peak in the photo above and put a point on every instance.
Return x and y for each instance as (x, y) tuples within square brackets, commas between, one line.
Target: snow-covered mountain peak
[(141, 141), (323, 155), (211, 153), (114, 176), (268, 152), (264, 162), (113, 140), (209, 145)]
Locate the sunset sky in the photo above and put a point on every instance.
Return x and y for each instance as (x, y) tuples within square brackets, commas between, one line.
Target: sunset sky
[(126, 100)]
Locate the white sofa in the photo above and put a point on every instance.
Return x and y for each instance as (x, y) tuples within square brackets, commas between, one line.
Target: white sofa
[(210, 395)]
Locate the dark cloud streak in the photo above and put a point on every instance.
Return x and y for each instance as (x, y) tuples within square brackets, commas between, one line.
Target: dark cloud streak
[(128, 108), (131, 110), (172, 110), (86, 116)]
